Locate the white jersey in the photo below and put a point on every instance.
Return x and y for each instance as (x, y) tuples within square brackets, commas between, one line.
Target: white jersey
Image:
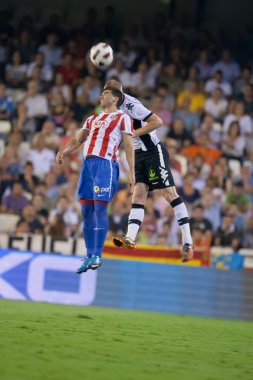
[(134, 108), (105, 134)]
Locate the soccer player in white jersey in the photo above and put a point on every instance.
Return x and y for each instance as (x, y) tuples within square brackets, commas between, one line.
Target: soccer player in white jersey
[(102, 134), (151, 172)]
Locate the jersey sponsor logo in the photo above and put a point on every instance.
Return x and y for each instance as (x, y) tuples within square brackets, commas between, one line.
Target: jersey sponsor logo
[(100, 123), (152, 175), (130, 106), (99, 190), (96, 189)]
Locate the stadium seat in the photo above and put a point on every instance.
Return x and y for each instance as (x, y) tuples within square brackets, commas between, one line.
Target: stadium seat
[(183, 162), (5, 127), (2, 147), (235, 166), (8, 222)]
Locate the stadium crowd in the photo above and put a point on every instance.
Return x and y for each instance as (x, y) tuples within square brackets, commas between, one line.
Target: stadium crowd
[(199, 82)]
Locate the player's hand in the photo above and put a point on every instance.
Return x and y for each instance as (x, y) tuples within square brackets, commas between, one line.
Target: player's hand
[(131, 183), (59, 158)]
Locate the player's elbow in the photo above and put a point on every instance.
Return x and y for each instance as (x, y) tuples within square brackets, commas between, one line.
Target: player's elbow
[(156, 120)]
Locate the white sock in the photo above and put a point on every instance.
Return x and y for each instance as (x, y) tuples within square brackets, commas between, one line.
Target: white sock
[(135, 219), (181, 214)]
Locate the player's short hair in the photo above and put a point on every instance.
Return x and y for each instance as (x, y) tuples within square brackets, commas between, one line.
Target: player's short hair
[(117, 93), (114, 83)]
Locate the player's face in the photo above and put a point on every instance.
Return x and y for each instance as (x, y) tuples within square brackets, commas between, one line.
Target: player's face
[(106, 99)]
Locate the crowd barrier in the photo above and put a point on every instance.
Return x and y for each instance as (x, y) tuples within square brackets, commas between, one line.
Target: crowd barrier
[(127, 284)]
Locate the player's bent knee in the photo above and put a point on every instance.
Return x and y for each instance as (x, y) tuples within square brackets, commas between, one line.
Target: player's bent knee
[(170, 193)]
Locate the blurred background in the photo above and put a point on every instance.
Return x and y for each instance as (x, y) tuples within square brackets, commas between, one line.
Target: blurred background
[(189, 62)]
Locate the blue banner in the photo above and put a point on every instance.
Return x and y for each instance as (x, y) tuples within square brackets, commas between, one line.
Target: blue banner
[(45, 278)]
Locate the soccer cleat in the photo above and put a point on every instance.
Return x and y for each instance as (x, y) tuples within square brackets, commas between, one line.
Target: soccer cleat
[(95, 262), (85, 265), (121, 241), (187, 252)]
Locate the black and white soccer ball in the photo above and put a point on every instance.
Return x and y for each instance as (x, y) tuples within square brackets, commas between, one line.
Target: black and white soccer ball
[(101, 55)]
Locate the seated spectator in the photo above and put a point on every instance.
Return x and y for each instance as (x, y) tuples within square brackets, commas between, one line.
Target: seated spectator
[(56, 227), (211, 129), (188, 193), (244, 79), (191, 119), (6, 104), (119, 71), (169, 76), (178, 132), (239, 115), (126, 53), (202, 241), (51, 138), (38, 202), (193, 75), (233, 143), (216, 105), (59, 112), (143, 79), (229, 68), (198, 221), (222, 173), (29, 217), (68, 70), (71, 129), (20, 146), (51, 52), (27, 179), (237, 196), (248, 233), (247, 98), (10, 163), (61, 88), (41, 157), (47, 73), (203, 148), (197, 99), (157, 106), (203, 65), (15, 72), (69, 215), (119, 218), (212, 209), (26, 46), (227, 235), (53, 189), (217, 81), (36, 108), (168, 99), (15, 202), (81, 108), (91, 86)]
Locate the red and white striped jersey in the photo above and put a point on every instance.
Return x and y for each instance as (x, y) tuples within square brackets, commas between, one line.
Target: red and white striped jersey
[(106, 134)]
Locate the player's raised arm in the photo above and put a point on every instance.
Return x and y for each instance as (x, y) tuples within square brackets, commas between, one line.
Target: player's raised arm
[(153, 122), (72, 145)]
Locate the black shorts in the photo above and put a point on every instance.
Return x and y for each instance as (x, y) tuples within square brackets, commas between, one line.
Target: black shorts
[(152, 168)]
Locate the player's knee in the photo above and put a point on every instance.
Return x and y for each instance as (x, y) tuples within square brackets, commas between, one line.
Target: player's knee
[(170, 193)]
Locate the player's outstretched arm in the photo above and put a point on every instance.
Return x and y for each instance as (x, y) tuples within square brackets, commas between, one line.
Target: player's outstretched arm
[(72, 145), (129, 149), (153, 122)]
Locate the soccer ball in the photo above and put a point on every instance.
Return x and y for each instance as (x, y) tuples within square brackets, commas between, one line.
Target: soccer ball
[(101, 55)]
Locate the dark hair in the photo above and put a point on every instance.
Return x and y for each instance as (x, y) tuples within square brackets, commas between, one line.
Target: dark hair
[(116, 93)]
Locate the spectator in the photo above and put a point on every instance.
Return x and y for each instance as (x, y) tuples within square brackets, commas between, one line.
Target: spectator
[(227, 66), (51, 138), (244, 79), (68, 214), (15, 201), (46, 69), (118, 218), (197, 99), (218, 81), (169, 76), (247, 98), (29, 217), (15, 72), (51, 52), (216, 105), (239, 115), (233, 143), (190, 119), (120, 72), (211, 129), (237, 196), (248, 234), (227, 235), (27, 179), (203, 65), (68, 70), (179, 133), (41, 157), (198, 221), (6, 104), (61, 88), (188, 193)]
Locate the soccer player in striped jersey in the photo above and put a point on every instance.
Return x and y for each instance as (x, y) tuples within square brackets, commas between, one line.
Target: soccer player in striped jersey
[(151, 172), (102, 134)]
